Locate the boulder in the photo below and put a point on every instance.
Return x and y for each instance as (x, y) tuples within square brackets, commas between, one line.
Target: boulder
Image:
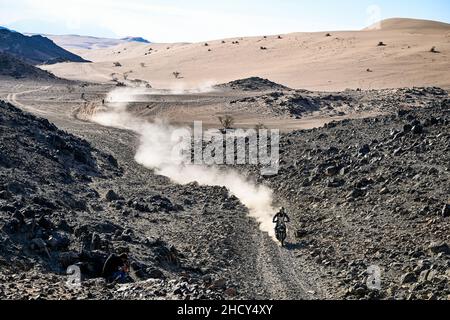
[(111, 196), (439, 247), (155, 274), (446, 210), (331, 171), (408, 278)]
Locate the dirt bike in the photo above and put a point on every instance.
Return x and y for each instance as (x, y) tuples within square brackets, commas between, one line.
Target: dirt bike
[(281, 232)]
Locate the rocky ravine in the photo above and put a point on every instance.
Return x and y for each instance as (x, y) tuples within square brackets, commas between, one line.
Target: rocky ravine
[(298, 104), (373, 192), (360, 192), (55, 212)]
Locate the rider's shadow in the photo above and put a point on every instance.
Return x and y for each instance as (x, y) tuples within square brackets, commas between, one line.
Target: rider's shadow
[(294, 246)]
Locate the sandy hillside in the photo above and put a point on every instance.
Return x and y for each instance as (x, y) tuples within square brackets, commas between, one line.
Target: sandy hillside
[(315, 61)]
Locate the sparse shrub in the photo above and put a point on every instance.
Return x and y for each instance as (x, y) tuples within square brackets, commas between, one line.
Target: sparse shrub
[(209, 50), (176, 74), (369, 70), (227, 122), (223, 41), (263, 48), (434, 50), (328, 35), (260, 126), (142, 64), (280, 37), (70, 89), (126, 74), (381, 44), (206, 45), (117, 64)]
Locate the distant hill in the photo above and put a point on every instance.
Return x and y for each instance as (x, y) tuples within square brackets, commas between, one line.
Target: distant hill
[(13, 67), (410, 24), (320, 61), (34, 49), (252, 84), (76, 42), (136, 39)]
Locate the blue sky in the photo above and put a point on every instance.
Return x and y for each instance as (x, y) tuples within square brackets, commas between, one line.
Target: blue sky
[(198, 20)]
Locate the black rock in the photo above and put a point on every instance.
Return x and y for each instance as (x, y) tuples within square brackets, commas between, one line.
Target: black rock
[(417, 129), (408, 278), (111, 196), (407, 128), (45, 223), (446, 210), (155, 274), (365, 149), (439, 247)]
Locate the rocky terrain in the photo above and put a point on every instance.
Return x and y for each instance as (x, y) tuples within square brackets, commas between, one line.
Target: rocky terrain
[(302, 103), (34, 49), (360, 193), (374, 192), (252, 84), (58, 209), (13, 67)]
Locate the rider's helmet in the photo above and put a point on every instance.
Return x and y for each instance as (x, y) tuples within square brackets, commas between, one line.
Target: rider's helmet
[(282, 211)]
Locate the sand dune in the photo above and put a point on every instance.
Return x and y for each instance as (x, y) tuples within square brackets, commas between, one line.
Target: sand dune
[(411, 24), (345, 59)]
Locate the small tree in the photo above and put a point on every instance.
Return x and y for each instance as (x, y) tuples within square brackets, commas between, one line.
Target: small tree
[(260, 126), (227, 122), (434, 50)]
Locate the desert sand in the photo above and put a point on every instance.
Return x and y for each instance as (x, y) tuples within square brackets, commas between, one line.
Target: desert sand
[(324, 61)]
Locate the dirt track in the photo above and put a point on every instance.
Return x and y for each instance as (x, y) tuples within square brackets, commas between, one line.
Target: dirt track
[(258, 267)]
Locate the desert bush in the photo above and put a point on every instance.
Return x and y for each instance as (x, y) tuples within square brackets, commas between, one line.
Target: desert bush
[(381, 44), (260, 126), (142, 64), (434, 50), (280, 37), (227, 122), (176, 74), (117, 64), (263, 48), (328, 35)]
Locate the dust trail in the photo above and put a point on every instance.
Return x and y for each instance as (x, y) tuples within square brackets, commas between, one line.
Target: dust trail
[(155, 151)]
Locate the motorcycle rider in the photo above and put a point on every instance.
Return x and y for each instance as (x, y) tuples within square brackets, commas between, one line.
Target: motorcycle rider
[(281, 217)]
